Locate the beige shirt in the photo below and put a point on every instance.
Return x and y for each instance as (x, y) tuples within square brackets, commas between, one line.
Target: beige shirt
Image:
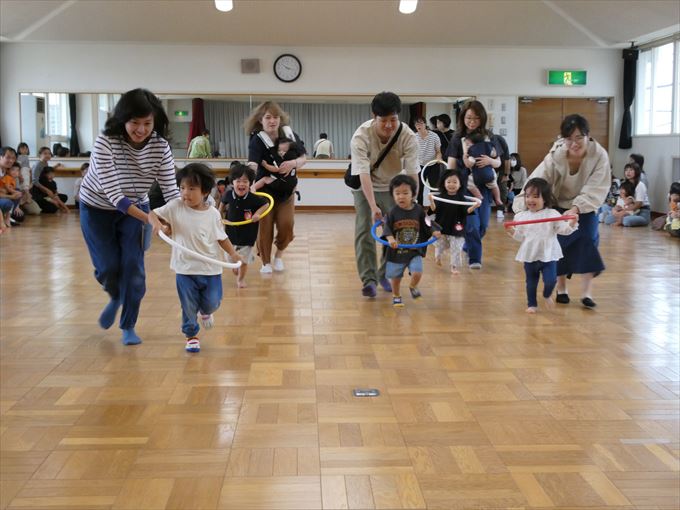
[(586, 189), (366, 146)]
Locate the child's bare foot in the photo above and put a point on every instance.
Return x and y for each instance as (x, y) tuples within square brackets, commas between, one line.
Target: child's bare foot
[(531, 309), (454, 271), (549, 303), (241, 284)]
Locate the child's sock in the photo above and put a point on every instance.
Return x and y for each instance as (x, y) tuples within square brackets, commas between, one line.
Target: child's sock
[(108, 315), (130, 337)]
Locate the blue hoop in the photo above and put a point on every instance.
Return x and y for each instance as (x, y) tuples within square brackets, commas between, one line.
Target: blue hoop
[(402, 246)]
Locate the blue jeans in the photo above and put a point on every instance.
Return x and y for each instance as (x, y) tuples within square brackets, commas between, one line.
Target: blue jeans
[(197, 294), (642, 219), (533, 271), (6, 205), (475, 227), (114, 241)]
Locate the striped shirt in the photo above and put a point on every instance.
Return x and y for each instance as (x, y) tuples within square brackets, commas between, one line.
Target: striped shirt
[(120, 175), (428, 147)]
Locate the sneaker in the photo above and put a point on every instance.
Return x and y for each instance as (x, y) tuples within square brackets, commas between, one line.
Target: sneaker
[(499, 214), (397, 302), (206, 320), (266, 269), (415, 293), (278, 264), (386, 285), (368, 290), (475, 265), (13, 222), (193, 345), (588, 303), (562, 299)]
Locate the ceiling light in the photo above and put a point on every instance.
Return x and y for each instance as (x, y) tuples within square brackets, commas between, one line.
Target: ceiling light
[(408, 6), (224, 5)]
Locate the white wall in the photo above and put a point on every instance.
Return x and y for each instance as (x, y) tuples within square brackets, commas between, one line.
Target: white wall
[(86, 120)]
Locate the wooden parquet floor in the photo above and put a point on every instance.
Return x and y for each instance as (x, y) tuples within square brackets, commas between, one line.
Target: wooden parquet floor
[(481, 405)]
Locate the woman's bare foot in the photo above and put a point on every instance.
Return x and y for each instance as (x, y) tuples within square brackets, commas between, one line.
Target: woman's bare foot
[(531, 309)]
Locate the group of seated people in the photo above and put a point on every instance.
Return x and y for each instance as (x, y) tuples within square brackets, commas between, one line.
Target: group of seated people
[(29, 191)]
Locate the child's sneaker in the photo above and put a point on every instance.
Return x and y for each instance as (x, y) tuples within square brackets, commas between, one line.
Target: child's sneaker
[(266, 269), (415, 293), (206, 320), (193, 345), (397, 302)]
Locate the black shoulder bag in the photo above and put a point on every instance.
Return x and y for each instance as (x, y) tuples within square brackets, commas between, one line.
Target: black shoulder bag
[(354, 181)]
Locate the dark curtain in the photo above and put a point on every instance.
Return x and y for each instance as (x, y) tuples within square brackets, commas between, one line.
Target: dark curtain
[(75, 146), (416, 110), (197, 119), (630, 56)]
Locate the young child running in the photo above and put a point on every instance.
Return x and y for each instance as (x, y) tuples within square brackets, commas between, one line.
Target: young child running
[(451, 218), (540, 250), (197, 226), (405, 224), (242, 205)]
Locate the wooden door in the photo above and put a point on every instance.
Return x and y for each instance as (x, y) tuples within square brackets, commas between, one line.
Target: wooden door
[(539, 124)]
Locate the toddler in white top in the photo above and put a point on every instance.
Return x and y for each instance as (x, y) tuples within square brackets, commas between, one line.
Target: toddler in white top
[(540, 250), (194, 224)]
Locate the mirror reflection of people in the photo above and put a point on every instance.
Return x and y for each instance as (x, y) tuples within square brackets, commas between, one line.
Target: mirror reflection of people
[(429, 148), (199, 147), (127, 157), (374, 199), (323, 147), (578, 172), (267, 125)]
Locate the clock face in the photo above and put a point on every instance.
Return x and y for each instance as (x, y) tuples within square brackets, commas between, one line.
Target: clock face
[(287, 68)]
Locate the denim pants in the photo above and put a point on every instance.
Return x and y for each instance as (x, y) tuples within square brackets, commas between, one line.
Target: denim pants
[(475, 227), (641, 219), (364, 244), (197, 294), (533, 271), (114, 241)]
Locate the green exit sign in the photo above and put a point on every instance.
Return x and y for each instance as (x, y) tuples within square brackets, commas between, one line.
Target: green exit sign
[(566, 77), (181, 113)]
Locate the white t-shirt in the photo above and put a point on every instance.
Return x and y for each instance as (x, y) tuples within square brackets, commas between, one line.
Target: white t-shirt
[(539, 240), (199, 231), (641, 194)]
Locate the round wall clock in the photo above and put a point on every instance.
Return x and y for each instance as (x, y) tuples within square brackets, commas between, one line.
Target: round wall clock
[(287, 68)]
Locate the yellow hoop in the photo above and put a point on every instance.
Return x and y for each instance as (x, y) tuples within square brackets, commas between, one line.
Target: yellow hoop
[(246, 222)]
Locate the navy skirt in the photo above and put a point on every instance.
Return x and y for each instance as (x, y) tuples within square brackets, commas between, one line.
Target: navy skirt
[(580, 248)]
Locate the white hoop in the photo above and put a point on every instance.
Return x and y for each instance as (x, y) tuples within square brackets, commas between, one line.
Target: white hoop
[(422, 173), (171, 242), (458, 202)]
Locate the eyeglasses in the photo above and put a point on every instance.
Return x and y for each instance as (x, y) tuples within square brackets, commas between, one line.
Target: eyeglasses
[(576, 139)]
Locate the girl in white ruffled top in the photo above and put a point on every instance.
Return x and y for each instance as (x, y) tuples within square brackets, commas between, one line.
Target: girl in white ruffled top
[(540, 249)]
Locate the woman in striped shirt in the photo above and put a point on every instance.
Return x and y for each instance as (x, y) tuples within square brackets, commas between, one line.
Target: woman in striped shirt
[(131, 153)]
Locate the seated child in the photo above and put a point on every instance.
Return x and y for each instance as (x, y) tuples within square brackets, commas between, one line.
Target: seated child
[(195, 225), (76, 187), (673, 218), (286, 150), (475, 145), (45, 193), (451, 218), (625, 205), (242, 205), (10, 198), (610, 201), (405, 224)]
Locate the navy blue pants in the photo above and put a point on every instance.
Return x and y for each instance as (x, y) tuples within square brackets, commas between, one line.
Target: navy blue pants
[(580, 248), (197, 293), (533, 271), (115, 240), (475, 227)]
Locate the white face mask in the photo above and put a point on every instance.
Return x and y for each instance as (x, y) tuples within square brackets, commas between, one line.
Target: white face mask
[(513, 162)]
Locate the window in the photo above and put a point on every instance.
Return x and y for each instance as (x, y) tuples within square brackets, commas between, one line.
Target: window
[(58, 121), (657, 100)]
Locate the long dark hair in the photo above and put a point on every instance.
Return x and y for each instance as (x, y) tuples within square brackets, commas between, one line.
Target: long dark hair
[(135, 104), (518, 164), (636, 169), (478, 108), (543, 188)]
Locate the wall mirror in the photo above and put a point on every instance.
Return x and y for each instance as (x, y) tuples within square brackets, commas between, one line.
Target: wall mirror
[(48, 118)]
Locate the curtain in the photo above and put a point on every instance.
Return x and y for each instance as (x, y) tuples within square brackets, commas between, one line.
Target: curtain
[(416, 110), (225, 120), (197, 119), (75, 146), (630, 56)]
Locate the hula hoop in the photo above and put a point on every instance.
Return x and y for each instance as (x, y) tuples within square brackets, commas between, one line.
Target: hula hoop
[(458, 202), (403, 246), (230, 265), (542, 220), (422, 173), (248, 221)]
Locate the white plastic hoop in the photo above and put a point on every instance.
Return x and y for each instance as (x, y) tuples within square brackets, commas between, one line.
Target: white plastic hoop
[(422, 173), (458, 202), (171, 242)]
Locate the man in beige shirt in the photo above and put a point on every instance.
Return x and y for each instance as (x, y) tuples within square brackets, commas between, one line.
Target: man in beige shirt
[(373, 199)]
